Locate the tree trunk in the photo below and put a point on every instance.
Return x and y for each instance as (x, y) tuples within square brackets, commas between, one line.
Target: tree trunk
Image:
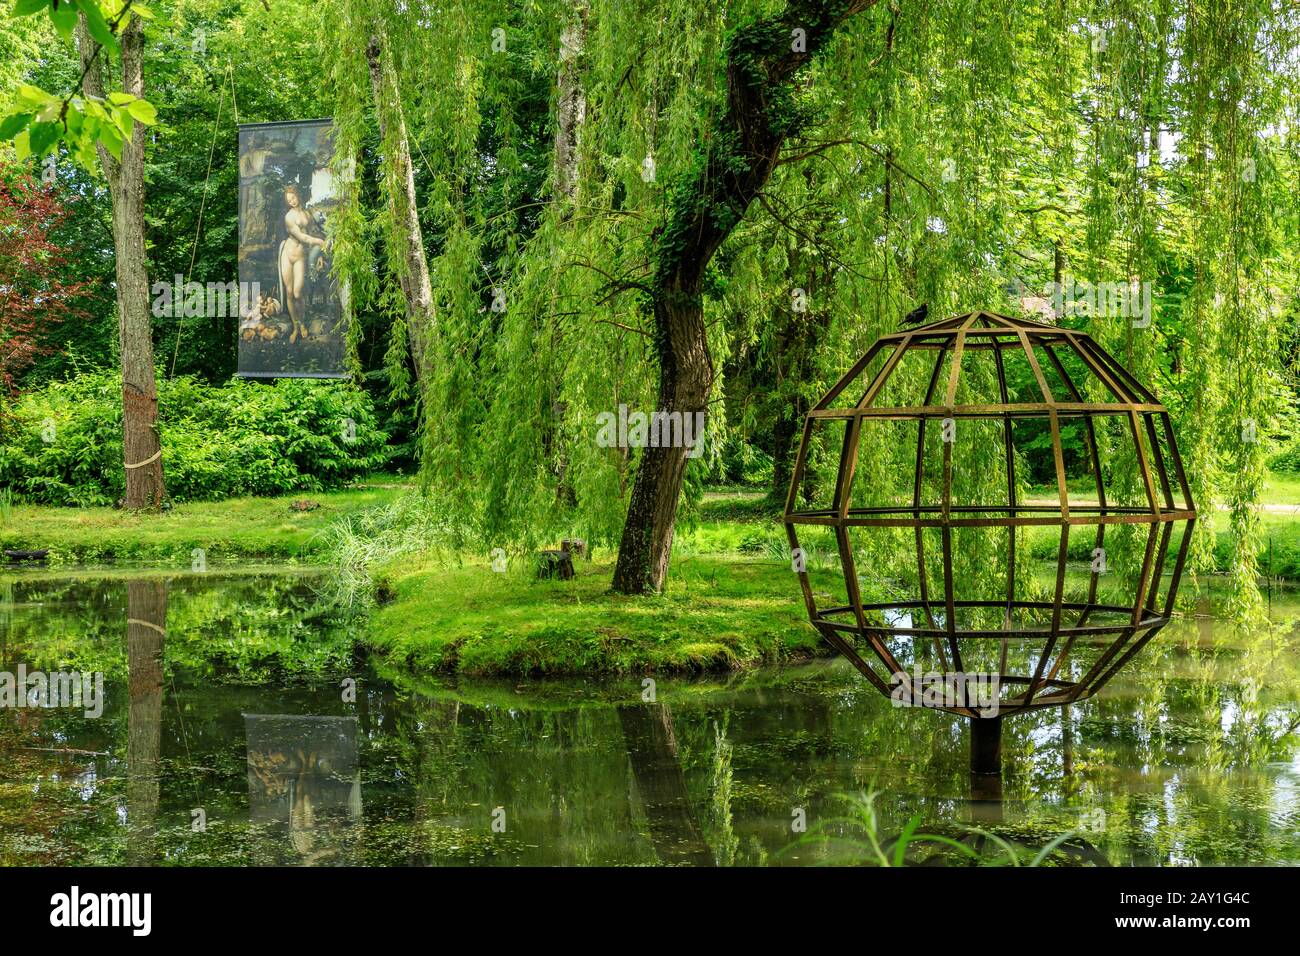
[(571, 108), (764, 59), (142, 452), (413, 271), (685, 378), (571, 113)]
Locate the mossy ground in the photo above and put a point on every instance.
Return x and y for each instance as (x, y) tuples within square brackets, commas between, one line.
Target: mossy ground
[(730, 602), (719, 612)]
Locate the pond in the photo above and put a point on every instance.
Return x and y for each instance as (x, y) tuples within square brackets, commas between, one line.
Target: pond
[(243, 723)]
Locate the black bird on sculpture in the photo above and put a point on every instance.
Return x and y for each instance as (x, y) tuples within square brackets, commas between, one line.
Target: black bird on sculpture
[(917, 315)]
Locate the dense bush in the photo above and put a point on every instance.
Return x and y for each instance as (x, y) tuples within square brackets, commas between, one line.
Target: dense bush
[(62, 444)]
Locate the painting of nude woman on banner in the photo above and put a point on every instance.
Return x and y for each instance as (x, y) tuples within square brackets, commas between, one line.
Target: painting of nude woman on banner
[(292, 323)]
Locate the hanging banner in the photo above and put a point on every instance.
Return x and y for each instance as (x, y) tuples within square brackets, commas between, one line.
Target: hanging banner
[(292, 324)]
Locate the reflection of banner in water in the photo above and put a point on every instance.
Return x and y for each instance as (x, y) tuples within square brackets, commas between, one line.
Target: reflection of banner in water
[(293, 324), (301, 768)]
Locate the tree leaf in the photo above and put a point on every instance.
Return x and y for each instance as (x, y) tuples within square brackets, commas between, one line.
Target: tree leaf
[(96, 24), (43, 137), (86, 157), (22, 145), (143, 111), (124, 122), (120, 99), (111, 140), (29, 95), (64, 17), (24, 7), (12, 124)]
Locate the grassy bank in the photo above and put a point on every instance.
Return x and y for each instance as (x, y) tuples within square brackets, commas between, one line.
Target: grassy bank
[(731, 602), (237, 529), (721, 611)]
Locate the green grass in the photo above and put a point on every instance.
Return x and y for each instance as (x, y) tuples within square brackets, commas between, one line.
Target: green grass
[(240, 528), (1282, 488), (1279, 551), (731, 602), (741, 504), (719, 612)]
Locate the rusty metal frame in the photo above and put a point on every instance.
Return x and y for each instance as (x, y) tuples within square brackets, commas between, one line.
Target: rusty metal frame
[(1125, 629)]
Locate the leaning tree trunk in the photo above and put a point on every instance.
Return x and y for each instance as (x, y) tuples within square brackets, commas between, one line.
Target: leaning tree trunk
[(141, 449), (413, 273), (685, 378), (763, 62)]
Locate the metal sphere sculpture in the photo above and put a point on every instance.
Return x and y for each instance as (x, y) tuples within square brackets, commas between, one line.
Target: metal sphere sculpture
[(930, 569)]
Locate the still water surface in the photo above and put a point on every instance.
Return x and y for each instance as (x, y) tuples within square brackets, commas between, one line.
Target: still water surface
[(230, 735)]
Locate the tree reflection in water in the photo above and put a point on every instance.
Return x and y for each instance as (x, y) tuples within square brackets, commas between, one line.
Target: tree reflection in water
[(145, 640), (660, 784)]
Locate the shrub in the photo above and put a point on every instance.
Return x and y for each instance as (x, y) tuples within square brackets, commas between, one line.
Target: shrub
[(1288, 458), (62, 444)]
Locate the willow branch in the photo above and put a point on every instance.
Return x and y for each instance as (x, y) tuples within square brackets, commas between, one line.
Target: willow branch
[(885, 157)]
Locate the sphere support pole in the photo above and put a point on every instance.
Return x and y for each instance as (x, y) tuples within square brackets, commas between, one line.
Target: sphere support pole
[(986, 745)]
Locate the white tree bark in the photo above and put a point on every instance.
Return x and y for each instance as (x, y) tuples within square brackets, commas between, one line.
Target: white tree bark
[(571, 108), (413, 277)]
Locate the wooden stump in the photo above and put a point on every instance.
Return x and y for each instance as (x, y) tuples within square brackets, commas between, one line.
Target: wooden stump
[(555, 564), (576, 547)]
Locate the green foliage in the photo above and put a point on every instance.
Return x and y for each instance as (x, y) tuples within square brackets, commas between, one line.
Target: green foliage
[(38, 121), (742, 463), (858, 832), (1288, 459), (63, 444)]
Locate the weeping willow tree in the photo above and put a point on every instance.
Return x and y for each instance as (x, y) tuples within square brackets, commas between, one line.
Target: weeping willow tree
[(676, 207), (1188, 112), (1240, 114)]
